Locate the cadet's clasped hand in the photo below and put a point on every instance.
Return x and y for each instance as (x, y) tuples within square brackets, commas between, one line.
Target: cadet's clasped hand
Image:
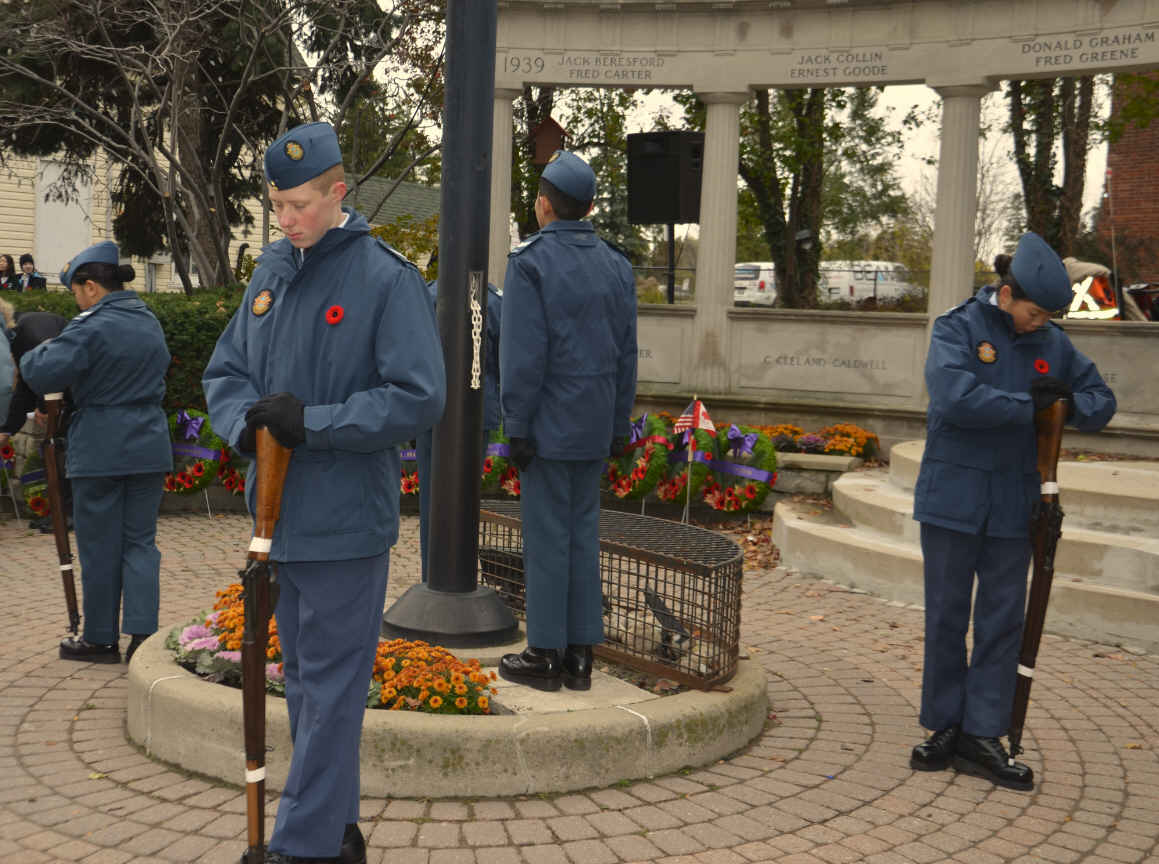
[(284, 414), (1047, 390)]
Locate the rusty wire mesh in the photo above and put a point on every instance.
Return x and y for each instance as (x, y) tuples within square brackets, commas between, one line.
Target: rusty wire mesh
[(671, 592)]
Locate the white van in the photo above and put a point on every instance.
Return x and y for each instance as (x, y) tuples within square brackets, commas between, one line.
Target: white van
[(857, 280), (754, 284)]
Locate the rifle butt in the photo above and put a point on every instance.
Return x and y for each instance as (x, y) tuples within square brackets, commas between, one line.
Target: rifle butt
[(56, 507)]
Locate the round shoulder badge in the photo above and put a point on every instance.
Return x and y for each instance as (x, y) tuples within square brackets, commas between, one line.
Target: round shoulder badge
[(294, 150), (987, 353), (262, 302)]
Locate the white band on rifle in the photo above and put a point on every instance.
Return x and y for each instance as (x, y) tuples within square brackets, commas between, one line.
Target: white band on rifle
[(1050, 488), (53, 397), (65, 567), (1025, 671), (257, 775), (261, 544)]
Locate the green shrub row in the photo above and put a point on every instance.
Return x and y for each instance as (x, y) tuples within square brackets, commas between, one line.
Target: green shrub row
[(191, 325)]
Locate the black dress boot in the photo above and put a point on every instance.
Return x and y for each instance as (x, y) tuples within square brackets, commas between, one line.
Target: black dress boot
[(986, 757), (577, 667), (353, 849), (535, 667), (76, 648), (936, 752), (134, 644)]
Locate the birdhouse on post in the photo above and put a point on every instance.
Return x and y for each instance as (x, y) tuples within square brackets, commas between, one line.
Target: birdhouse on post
[(547, 137)]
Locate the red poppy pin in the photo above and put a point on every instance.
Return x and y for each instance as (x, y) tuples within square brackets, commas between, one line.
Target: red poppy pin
[(1041, 366), (334, 314)]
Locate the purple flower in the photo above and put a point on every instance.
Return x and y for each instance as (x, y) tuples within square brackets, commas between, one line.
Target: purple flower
[(811, 444), (202, 644), (231, 656), (194, 631), (273, 674)]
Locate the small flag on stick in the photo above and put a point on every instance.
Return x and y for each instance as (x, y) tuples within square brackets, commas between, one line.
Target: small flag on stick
[(695, 417)]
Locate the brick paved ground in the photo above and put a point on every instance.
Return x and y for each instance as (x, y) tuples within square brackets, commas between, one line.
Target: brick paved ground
[(827, 783)]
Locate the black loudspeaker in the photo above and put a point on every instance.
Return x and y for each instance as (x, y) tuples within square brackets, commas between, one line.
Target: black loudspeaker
[(664, 177)]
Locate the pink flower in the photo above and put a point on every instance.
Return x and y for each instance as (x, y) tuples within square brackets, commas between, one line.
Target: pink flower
[(273, 673), (202, 644), (194, 631), (231, 656)]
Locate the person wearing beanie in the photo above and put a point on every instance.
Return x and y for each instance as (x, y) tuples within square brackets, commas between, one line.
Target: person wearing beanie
[(29, 279), (567, 378), (993, 362), (112, 358), (334, 349)]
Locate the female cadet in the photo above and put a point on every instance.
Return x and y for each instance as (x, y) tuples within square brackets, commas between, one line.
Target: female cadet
[(993, 362), (113, 358)]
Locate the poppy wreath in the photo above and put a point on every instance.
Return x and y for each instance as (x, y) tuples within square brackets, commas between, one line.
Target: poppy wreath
[(8, 461), (680, 475), (34, 484), (197, 452), (645, 461), (409, 480), (496, 462), (743, 472)]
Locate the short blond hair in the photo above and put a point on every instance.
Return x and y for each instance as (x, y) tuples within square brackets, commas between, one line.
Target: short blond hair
[(9, 314), (324, 181)]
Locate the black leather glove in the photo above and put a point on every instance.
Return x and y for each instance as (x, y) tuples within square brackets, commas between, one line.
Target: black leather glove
[(284, 414), (619, 447), (1047, 390), (522, 452)]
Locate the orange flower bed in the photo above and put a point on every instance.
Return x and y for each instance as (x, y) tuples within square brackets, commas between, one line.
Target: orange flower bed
[(416, 676)]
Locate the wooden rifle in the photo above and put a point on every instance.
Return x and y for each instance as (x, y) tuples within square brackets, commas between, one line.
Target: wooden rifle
[(56, 507), (260, 595), (1045, 530)]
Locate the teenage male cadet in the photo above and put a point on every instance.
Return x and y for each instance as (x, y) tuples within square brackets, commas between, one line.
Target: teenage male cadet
[(334, 350), (567, 361)]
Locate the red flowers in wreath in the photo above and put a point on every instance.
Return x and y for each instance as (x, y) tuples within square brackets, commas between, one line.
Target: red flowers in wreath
[(7, 454), (1041, 366), (334, 314), (38, 505)]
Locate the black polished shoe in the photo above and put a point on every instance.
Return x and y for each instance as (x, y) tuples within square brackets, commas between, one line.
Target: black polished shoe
[(535, 667), (986, 757), (76, 648), (134, 644), (353, 849), (577, 667), (936, 752)]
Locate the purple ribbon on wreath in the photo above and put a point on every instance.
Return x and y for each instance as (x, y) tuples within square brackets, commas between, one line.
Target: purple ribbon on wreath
[(499, 449), (636, 432), (189, 428), (408, 455), (740, 442), (196, 452)]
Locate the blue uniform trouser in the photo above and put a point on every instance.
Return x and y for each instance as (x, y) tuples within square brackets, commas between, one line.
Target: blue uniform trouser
[(115, 519), (978, 697), (328, 615), (560, 505)]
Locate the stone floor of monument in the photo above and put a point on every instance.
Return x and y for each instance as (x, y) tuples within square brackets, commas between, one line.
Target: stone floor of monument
[(828, 780)]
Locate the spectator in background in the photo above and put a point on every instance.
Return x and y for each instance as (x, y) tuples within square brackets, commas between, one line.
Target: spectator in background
[(8, 274), (29, 279)]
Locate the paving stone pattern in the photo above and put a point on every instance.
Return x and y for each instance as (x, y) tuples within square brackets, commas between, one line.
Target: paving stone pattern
[(827, 783)]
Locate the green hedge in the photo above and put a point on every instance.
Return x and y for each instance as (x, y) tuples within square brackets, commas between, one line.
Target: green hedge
[(191, 325)]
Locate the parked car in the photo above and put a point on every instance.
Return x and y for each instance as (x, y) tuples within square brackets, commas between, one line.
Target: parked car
[(857, 280), (754, 284)]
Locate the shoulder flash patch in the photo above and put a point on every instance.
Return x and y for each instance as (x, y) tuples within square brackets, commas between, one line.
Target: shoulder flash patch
[(525, 244), (395, 252), (80, 316)]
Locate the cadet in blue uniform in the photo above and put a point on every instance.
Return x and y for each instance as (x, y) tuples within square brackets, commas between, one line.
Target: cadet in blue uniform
[(334, 350), (567, 359), (993, 362), (113, 358), (491, 416)]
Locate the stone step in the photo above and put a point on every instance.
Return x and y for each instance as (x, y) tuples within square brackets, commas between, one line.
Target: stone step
[(1119, 497), (891, 568), (870, 500)]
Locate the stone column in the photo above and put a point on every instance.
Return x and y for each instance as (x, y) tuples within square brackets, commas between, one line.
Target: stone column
[(500, 239), (716, 255), (952, 265)]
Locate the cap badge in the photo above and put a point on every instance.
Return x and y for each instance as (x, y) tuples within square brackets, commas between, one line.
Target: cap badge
[(262, 302), (987, 353), (294, 150)]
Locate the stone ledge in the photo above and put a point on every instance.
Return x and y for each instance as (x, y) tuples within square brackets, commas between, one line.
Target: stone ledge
[(181, 719)]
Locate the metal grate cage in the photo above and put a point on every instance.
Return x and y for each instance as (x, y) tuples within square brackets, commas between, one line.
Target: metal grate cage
[(671, 591)]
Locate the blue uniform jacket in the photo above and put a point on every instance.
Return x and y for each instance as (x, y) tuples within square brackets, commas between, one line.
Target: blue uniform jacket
[(370, 381), (492, 418), (567, 352), (112, 357), (978, 473)]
